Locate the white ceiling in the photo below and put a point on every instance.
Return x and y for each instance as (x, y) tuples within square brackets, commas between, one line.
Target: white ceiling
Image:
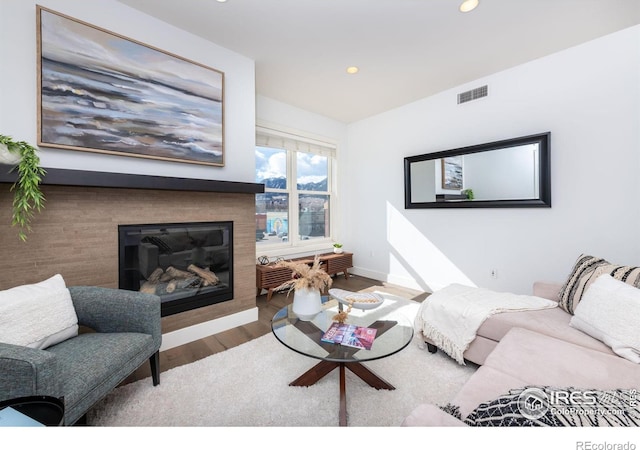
[(406, 49)]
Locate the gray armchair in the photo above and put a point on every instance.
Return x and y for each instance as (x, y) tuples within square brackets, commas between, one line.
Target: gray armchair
[(125, 333)]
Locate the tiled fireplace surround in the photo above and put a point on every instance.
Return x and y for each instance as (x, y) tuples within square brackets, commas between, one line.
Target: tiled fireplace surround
[(76, 235)]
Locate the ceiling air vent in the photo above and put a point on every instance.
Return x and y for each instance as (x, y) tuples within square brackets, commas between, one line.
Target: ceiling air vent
[(473, 94)]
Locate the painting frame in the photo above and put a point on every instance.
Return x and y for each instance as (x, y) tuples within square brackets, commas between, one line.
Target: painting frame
[(102, 92), (452, 174)]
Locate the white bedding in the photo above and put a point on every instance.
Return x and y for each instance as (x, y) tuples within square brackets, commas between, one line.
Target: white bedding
[(450, 317)]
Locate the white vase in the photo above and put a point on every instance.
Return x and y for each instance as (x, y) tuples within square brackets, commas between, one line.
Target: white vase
[(7, 157), (337, 250), (306, 303)]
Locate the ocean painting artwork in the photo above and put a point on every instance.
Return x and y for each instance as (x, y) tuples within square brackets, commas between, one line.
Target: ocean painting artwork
[(102, 92), (452, 172)]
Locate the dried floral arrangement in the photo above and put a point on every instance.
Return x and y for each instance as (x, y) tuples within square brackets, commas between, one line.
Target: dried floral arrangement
[(305, 276)]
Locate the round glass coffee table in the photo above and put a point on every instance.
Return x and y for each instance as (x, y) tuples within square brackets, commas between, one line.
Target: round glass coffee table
[(394, 332)]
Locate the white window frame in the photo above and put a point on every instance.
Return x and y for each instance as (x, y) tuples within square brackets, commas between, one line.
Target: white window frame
[(293, 142)]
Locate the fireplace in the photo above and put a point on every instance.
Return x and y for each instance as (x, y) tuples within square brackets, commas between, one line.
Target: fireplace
[(188, 265)]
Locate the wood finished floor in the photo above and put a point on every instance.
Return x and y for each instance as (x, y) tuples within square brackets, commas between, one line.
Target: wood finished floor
[(208, 346)]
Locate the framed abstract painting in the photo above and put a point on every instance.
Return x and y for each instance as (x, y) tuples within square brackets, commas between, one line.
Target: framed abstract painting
[(102, 92), (452, 172)]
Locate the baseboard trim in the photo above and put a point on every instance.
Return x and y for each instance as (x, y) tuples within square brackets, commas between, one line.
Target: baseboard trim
[(405, 282), (205, 329), (374, 275)]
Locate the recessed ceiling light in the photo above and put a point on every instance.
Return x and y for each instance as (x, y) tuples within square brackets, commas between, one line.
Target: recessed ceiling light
[(468, 5), (352, 70), (221, 1)]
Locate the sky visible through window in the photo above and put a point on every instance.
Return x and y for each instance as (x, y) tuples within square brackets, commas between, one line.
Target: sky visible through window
[(271, 163), (312, 169)]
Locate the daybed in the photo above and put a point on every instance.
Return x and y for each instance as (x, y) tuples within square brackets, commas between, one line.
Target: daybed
[(580, 348), (553, 322)]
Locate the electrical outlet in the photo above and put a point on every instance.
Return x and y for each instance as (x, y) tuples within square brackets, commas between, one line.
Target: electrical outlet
[(494, 273)]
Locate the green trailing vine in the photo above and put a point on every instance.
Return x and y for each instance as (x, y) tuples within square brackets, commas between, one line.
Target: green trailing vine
[(27, 197)]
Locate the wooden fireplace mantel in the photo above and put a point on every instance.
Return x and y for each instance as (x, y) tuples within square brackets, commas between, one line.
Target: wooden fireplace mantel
[(68, 177)]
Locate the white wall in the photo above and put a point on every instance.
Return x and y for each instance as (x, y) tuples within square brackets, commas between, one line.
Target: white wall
[(291, 119), (18, 86), (588, 97)]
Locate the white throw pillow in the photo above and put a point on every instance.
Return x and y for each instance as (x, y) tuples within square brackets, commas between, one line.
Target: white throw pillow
[(37, 315), (609, 311)]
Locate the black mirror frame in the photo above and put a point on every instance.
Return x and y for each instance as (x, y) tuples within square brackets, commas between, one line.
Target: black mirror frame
[(543, 200)]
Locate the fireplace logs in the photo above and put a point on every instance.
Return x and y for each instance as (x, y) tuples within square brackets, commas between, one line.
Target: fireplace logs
[(210, 278), (167, 281)]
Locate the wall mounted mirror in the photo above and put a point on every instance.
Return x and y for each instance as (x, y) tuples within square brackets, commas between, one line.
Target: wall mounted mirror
[(510, 173)]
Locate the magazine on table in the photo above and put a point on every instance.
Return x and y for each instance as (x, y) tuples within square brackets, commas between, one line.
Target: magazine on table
[(350, 335)]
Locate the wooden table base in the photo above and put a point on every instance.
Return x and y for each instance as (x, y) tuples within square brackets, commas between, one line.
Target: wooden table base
[(323, 368)]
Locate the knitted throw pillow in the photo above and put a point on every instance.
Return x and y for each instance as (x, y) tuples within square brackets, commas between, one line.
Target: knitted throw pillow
[(37, 315), (585, 271), (547, 406)]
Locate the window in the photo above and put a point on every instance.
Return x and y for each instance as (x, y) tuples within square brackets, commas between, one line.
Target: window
[(295, 209)]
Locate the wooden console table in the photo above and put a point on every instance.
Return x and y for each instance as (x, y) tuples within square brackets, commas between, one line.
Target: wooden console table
[(270, 276)]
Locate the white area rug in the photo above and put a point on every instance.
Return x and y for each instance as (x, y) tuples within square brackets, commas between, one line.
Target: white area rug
[(249, 386)]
